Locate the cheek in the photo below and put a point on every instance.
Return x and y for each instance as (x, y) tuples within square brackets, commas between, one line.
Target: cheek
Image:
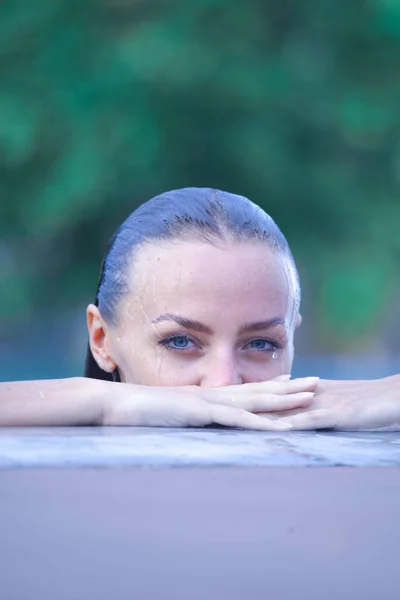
[(253, 373), (132, 358), (281, 365), (152, 366), (288, 358), (177, 373)]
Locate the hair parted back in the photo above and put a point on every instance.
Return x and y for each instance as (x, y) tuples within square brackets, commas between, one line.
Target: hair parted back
[(203, 214)]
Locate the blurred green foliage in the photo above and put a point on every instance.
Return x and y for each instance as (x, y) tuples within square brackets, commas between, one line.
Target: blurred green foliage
[(293, 104)]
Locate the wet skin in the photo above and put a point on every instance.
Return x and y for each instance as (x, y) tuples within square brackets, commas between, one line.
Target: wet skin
[(204, 315)]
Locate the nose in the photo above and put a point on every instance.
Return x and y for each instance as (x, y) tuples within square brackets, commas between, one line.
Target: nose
[(221, 371)]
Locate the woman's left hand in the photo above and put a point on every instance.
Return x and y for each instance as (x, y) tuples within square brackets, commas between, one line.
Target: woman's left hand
[(350, 405)]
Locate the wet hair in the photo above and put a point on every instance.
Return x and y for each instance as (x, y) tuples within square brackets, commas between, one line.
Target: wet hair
[(202, 214)]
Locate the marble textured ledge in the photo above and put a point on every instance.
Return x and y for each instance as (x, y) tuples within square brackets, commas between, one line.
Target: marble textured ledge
[(153, 447)]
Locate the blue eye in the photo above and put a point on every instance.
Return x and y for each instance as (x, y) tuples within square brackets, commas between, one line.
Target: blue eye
[(178, 342), (262, 344)]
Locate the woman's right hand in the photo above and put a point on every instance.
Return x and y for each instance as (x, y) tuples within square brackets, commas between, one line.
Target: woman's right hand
[(232, 406)]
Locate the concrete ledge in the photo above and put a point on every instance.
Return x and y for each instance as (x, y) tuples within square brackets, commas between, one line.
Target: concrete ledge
[(155, 447)]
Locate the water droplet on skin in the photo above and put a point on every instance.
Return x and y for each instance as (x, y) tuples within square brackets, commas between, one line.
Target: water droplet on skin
[(158, 365)]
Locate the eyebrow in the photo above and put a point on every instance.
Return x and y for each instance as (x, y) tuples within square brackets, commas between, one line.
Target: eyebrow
[(262, 325), (183, 322), (201, 328)]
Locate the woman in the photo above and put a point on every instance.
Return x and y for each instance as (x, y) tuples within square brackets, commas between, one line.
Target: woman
[(193, 324)]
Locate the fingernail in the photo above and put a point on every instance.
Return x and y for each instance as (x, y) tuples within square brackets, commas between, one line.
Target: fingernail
[(310, 379)]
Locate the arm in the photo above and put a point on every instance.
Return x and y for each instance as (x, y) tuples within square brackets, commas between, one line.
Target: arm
[(57, 402), (84, 401)]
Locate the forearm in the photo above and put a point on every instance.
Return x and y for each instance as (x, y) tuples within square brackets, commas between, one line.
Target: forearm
[(58, 402)]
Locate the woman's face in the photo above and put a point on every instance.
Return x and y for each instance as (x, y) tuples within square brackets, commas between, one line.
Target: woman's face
[(205, 315)]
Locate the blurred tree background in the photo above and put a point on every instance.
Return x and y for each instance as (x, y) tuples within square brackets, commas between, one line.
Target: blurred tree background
[(105, 103)]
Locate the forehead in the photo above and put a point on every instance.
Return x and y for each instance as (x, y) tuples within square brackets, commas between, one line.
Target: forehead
[(196, 276)]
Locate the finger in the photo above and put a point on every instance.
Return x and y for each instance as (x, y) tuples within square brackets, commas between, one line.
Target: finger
[(283, 378), (257, 403), (315, 419), (277, 403), (260, 403), (238, 393), (300, 384), (236, 417), (292, 386)]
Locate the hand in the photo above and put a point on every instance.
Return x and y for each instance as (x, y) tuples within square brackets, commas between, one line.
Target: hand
[(193, 406), (351, 405)]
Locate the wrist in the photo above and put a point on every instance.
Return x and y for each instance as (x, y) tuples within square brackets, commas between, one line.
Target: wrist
[(119, 404), (97, 395)]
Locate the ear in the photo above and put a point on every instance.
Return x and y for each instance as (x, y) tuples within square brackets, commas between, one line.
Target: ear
[(298, 320), (99, 339)]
